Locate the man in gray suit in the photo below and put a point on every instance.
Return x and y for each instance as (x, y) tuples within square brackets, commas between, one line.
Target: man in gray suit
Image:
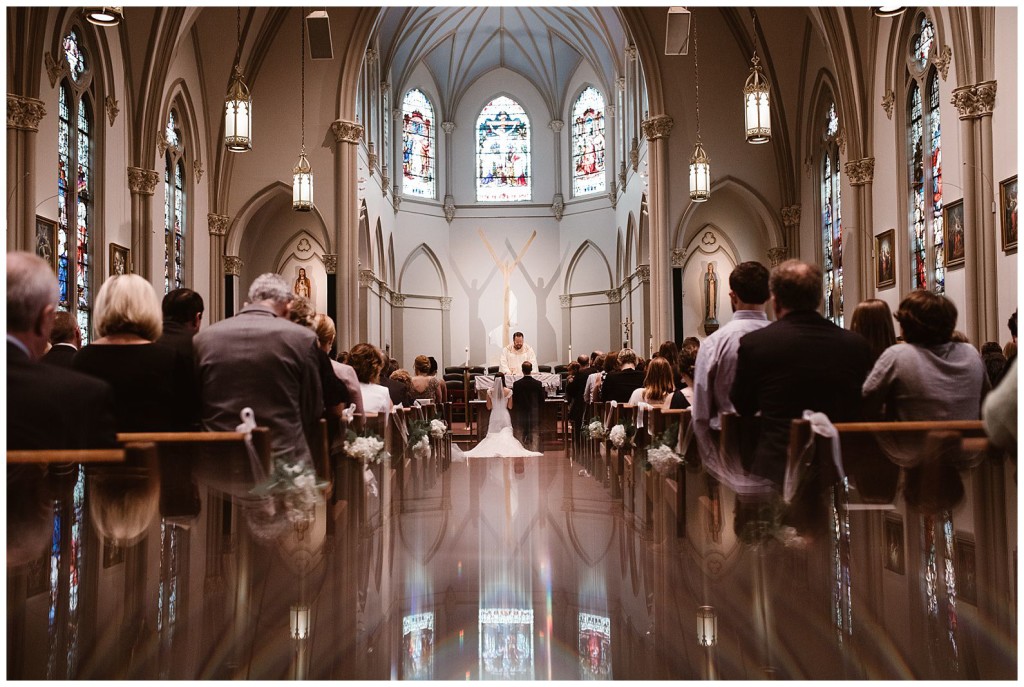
[(260, 359)]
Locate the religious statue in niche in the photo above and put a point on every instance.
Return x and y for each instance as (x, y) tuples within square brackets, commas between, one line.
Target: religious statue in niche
[(302, 287), (710, 299)]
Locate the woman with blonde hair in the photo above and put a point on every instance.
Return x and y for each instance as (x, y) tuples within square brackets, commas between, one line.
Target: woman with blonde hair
[(659, 384), (154, 385), (425, 385)]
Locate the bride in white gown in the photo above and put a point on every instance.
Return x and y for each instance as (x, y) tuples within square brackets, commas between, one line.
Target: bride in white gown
[(499, 442)]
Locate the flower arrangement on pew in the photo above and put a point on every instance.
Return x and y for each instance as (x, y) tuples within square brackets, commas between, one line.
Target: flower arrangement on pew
[(438, 428), (293, 487), (366, 448), (420, 432), (621, 435), (661, 454), (596, 430)]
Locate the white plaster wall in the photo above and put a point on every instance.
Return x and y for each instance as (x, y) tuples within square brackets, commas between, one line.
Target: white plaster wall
[(1005, 118)]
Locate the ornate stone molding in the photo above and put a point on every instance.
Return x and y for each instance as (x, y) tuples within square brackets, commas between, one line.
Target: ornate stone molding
[(678, 257), (398, 300), (841, 140), (634, 154), (53, 68), (24, 113), (565, 300), (396, 201), (218, 224), (396, 114), (446, 302), (614, 295), (449, 208), (366, 278), (631, 52), (887, 102), (620, 83), (197, 170), (347, 132), (659, 126), (860, 171), (776, 255), (448, 127), (371, 55), (622, 173), (385, 87), (613, 193), (556, 125), (331, 263), (558, 206), (643, 273), (385, 181), (232, 265), (976, 100), (790, 216), (161, 143), (142, 181), (111, 104), (942, 59), (371, 156), (609, 111)]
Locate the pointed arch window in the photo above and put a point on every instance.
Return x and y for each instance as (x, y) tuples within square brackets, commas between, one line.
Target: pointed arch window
[(503, 152), (924, 148), (832, 218), (588, 143), (418, 145), (175, 196), (75, 183)]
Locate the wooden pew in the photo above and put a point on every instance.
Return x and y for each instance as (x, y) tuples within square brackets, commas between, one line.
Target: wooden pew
[(90, 455), (670, 490)]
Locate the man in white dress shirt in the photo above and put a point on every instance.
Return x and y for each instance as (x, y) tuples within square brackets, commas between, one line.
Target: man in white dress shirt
[(716, 366), (513, 356)]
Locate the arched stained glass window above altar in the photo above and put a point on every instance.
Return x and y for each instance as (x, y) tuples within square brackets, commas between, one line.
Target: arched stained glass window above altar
[(503, 152), (418, 145), (588, 143)]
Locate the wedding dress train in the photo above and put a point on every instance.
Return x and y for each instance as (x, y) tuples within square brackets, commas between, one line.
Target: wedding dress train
[(499, 442)]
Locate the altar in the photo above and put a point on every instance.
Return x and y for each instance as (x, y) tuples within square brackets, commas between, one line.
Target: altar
[(552, 383)]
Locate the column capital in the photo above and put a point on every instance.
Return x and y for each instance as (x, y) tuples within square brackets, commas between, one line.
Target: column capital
[(112, 109), (366, 278), (449, 208), (385, 87), (346, 132), (446, 302), (609, 111), (860, 171), (565, 300), (631, 52), (197, 170), (976, 100), (620, 83), (790, 215), (218, 224), (398, 300), (678, 258), (371, 55), (24, 113), (142, 181), (777, 254), (558, 206), (232, 265), (643, 272), (658, 126), (331, 263), (887, 102), (556, 125), (448, 127), (942, 59)]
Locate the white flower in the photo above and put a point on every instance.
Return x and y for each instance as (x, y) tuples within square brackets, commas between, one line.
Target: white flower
[(366, 449), (438, 428), (596, 430), (663, 459), (421, 449), (618, 436)]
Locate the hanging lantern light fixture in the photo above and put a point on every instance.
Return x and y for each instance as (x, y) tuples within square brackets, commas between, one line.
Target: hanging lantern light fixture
[(700, 168), (756, 103), (104, 16), (302, 175), (238, 105)]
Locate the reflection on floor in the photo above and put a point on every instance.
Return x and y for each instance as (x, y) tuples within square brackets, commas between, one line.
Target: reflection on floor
[(538, 568)]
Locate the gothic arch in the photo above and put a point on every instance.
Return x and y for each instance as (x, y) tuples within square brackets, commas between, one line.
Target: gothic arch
[(365, 255), (424, 251), (643, 244), (769, 228), (629, 247), (178, 94), (586, 247), (379, 261), (252, 207), (824, 89), (391, 259)]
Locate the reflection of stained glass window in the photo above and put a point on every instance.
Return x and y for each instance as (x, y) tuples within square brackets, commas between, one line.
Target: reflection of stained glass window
[(174, 207), (935, 171), (174, 543), (418, 136), (831, 220), (503, 152), (66, 559), (919, 265), (588, 143)]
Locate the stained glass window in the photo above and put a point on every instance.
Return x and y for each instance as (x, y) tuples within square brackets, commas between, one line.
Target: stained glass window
[(588, 143), (935, 168), (923, 40), (503, 152), (75, 184), (418, 137), (918, 240), (175, 197), (832, 220)]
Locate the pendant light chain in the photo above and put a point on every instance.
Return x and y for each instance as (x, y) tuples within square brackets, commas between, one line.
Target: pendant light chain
[(696, 77), (753, 18), (302, 61), (238, 32)]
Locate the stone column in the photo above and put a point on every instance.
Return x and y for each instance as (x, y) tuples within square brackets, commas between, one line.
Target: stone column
[(446, 332), (346, 210), (565, 300), (614, 319), (610, 148), (861, 173), (398, 327), (643, 272), (365, 292), (232, 271), (142, 183), (557, 200), (331, 267), (23, 117), (974, 104), (218, 225), (449, 199), (791, 233), (656, 130)]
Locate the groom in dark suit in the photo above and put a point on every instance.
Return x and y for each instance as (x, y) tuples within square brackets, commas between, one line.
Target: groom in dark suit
[(528, 398)]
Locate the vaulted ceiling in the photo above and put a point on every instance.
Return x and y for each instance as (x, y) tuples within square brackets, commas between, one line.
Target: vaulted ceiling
[(546, 45)]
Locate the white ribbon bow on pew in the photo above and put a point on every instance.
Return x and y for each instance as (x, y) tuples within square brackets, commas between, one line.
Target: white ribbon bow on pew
[(820, 426), (248, 418), (609, 412), (347, 414), (641, 409)]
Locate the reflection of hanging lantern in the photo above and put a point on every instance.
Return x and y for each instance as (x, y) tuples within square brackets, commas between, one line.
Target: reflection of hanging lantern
[(707, 626), (299, 622), (756, 110), (104, 16)]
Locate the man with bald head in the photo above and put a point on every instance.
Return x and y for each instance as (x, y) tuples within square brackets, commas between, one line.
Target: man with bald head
[(48, 407)]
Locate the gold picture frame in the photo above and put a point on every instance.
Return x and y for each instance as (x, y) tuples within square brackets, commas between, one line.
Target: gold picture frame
[(885, 259), (953, 238), (895, 551), (46, 240), (120, 260), (1008, 213)]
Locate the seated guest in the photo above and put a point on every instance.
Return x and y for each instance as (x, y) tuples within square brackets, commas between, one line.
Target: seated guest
[(575, 385), (183, 316), (65, 340), (593, 393), (258, 359), (424, 384), (659, 386), (999, 412), (995, 361), (368, 361), (670, 352), (401, 377), (618, 385), (399, 390), (325, 333), (594, 373), (931, 377), (153, 385), (335, 395), (872, 319), (688, 365), (47, 407)]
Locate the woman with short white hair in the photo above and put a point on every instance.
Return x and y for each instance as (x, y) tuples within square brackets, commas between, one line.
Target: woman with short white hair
[(154, 388)]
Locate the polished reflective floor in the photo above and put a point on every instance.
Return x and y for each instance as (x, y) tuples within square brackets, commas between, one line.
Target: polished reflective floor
[(537, 568)]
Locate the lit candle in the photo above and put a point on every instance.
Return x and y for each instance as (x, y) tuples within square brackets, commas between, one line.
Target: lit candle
[(570, 353), (467, 356)]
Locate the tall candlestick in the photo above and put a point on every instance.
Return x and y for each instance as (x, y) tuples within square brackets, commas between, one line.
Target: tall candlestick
[(467, 356), (650, 347), (570, 353)]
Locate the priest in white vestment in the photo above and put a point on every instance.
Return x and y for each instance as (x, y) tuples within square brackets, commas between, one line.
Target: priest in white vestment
[(513, 356)]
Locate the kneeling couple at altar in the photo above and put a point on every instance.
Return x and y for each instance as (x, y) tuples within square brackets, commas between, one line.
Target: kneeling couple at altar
[(500, 441)]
